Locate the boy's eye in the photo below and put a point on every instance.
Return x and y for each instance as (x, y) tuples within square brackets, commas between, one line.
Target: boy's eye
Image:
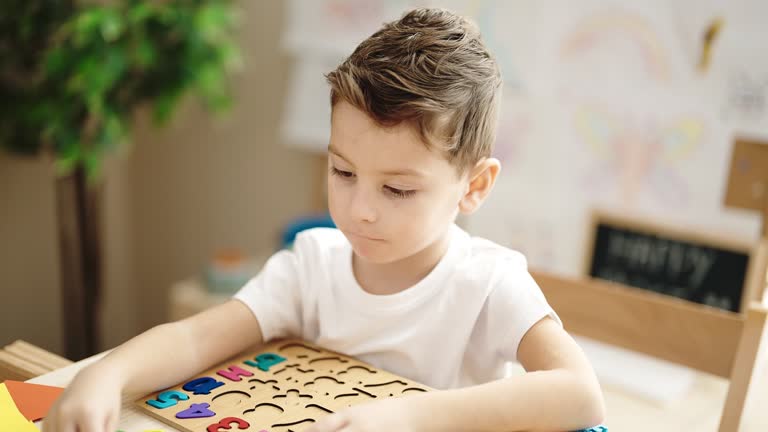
[(340, 173), (399, 193)]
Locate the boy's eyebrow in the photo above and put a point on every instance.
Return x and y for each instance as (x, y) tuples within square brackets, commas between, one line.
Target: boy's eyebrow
[(403, 172), (395, 172), (332, 149)]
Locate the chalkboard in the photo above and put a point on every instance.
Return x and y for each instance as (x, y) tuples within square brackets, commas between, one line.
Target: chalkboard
[(684, 265)]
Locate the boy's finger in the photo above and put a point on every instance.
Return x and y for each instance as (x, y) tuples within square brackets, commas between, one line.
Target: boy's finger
[(111, 423), (46, 426), (63, 426), (90, 424), (47, 423), (60, 425)]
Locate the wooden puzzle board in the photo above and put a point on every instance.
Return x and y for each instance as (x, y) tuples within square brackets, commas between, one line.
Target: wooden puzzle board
[(284, 386)]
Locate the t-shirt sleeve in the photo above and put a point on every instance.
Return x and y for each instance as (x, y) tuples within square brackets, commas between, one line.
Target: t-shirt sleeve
[(515, 305), (274, 296)]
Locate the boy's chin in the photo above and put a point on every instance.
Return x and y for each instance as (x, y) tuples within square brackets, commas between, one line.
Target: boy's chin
[(370, 258), (373, 257)]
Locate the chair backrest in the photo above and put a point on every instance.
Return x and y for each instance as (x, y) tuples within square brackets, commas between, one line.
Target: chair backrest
[(707, 339)]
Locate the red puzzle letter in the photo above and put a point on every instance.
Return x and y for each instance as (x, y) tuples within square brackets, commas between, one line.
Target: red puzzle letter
[(234, 373), (226, 424)]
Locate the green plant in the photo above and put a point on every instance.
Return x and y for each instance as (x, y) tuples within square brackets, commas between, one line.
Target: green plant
[(71, 74)]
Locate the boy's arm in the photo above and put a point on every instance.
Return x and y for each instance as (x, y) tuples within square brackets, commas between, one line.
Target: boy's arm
[(169, 353), (156, 359), (559, 392)]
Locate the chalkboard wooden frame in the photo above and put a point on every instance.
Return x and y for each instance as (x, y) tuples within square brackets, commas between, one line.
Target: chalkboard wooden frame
[(748, 178), (757, 253)]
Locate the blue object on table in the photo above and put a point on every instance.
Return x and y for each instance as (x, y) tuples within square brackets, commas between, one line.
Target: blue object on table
[(600, 428), (304, 223)]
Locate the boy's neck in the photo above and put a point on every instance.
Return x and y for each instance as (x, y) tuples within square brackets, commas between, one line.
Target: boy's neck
[(397, 276)]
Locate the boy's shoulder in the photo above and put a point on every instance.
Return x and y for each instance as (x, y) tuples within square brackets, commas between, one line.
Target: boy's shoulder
[(483, 262), (483, 250)]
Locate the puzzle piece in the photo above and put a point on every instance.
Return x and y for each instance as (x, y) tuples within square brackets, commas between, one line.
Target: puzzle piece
[(287, 385), (167, 399), (202, 385), (234, 373), (227, 423), (196, 411), (265, 361)]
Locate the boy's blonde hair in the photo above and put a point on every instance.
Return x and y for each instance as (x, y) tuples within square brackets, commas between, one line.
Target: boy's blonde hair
[(432, 69)]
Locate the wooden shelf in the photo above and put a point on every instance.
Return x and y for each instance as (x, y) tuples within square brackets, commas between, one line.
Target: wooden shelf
[(21, 361)]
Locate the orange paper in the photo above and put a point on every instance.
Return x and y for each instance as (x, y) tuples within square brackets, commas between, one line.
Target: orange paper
[(32, 400)]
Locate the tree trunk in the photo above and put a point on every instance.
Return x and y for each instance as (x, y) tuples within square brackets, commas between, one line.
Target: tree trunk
[(79, 227)]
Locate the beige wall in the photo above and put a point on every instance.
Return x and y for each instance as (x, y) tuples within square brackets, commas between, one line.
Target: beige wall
[(176, 196), (202, 184), (29, 267)]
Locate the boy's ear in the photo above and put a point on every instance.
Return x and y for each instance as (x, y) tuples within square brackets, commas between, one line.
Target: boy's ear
[(481, 180)]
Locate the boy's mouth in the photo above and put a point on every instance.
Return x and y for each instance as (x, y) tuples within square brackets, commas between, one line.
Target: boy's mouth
[(364, 237)]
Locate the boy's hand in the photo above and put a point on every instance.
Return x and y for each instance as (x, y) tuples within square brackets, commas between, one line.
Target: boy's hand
[(387, 415), (91, 403)]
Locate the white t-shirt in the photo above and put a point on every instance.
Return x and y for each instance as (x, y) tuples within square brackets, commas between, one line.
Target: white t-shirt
[(456, 327)]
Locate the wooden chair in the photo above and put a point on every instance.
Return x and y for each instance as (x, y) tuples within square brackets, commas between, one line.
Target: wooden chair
[(710, 340), (21, 361)]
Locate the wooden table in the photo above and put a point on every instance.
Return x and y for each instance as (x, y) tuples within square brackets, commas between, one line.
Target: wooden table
[(698, 411)]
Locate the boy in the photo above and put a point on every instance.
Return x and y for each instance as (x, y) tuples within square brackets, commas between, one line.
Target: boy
[(398, 285)]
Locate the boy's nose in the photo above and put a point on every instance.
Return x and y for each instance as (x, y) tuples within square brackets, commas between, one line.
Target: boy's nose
[(362, 206)]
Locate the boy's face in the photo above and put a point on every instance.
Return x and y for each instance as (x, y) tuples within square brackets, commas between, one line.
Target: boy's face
[(388, 193)]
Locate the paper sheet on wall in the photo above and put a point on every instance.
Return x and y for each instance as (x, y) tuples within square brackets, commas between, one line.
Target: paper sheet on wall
[(604, 107), (619, 119), (737, 76), (335, 27), (306, 120), (320, 34)]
